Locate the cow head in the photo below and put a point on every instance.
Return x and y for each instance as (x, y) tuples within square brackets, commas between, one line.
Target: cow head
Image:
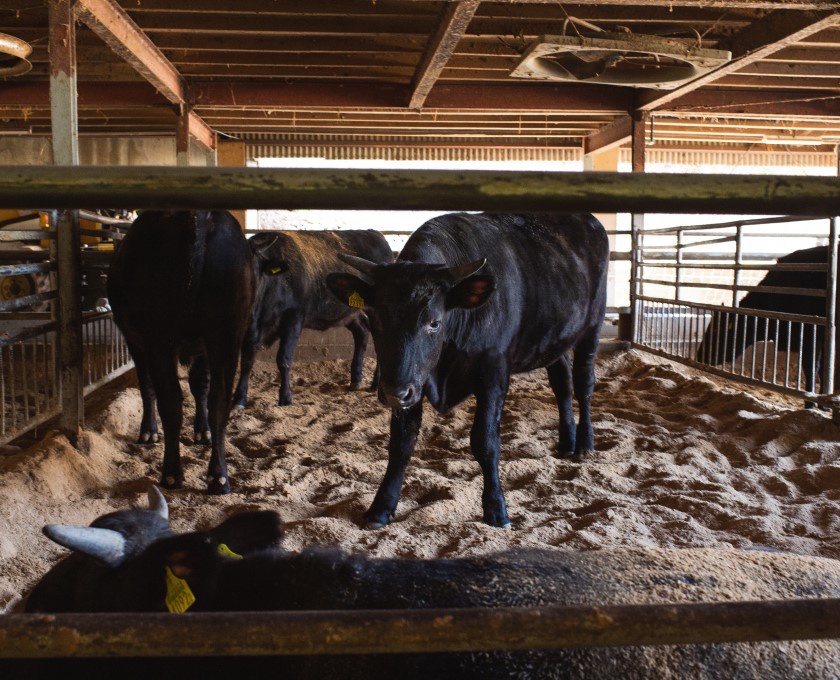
[(118, 563), (410, 307)]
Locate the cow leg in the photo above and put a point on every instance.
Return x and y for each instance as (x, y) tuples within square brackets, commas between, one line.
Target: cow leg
[(484, 440), (290, 328), (222, 372), (583, 378), (405, 425), (199, 379), (358, 327), (164, 372), (560, 379), (148, 424), (246, 363)]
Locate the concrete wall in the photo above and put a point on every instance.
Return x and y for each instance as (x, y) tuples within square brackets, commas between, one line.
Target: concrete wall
[(98, 151)]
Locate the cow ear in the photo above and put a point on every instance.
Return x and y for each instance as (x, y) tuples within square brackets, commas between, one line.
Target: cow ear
[(271, 267), (472, 292), (249, 532), (351, 290)]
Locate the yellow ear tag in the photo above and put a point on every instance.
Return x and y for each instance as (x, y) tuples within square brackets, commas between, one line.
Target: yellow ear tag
[(275, 270), (224, 551), (179, 597), (356, 301)]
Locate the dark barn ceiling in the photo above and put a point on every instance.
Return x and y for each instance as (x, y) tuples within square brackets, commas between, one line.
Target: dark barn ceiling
[(432, 73)]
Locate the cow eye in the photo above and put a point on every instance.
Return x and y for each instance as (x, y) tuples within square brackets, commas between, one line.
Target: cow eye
[(434, 325)]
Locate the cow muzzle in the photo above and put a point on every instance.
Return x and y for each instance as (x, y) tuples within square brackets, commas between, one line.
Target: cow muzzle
[(404, 396)]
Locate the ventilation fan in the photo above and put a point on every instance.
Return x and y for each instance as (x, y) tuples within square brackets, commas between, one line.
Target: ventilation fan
[(618, 59)]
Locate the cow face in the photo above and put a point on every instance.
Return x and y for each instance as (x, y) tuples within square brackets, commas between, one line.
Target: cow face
[(410, 310)]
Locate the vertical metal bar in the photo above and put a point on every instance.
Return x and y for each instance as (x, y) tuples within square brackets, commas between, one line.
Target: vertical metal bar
[(678, 274), (764, 355), (754, 345), (744, 343), (3, 396), (637, 223), (739, 238), (787, 353), (799, 355), (24, 380), (725, 338), (13, 386), (830, 339)]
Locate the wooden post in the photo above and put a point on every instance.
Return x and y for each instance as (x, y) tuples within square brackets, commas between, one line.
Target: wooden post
[(67, 249), (182, 139)]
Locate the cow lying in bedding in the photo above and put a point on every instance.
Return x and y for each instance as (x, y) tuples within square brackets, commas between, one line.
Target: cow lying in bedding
[(123, 561)]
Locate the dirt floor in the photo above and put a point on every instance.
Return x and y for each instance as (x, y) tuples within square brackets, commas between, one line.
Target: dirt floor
[(682, 461)]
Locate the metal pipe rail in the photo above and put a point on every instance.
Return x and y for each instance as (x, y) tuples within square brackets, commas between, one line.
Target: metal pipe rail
[(411, 631), (242, 188)]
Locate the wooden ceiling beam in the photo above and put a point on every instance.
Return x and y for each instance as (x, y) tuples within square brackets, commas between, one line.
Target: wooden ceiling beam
[(451, 27), (124, 37), (776, 31), (773, 33), (609, 137)]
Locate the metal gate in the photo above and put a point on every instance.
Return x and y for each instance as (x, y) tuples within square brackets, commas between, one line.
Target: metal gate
[(30, 379), (688, 288)]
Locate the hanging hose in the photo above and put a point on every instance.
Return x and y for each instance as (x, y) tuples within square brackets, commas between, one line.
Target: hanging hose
[(15, 47)]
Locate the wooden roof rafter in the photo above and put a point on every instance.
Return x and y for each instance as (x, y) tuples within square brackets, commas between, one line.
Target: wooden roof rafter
[(453, 24), (124, 37), (775, 32)]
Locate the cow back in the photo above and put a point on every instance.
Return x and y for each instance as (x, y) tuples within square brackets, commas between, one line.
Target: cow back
[(176, 274), (550, 271)]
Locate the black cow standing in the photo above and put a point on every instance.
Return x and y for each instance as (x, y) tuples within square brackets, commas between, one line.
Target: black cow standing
[(292, 294), (727, 336), (181, 286), (129, 561), (446, 326)]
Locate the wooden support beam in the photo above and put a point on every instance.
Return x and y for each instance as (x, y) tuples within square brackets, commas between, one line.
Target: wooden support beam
[(118, 30), (773, 33), (290, 189), (453, 23), (608, 137), (221, 634), (67, 246), (638, 141)]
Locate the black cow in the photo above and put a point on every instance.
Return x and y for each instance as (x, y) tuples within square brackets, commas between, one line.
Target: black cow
[(292, 294), (729, 334), (197, 573), (181, 285), (114, 547), (446, 326)]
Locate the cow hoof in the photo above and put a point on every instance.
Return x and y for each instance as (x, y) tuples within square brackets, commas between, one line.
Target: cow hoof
[(148, 438), (239, 407), (372, 526), (584, 452), (172, 481), (218, 486), (203, 438), (354, 387), (565, 454)]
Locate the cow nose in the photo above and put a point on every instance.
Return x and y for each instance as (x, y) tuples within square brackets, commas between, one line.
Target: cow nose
[(402, 396)]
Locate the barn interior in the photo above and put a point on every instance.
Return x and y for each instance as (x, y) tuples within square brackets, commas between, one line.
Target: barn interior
[(702, 133)]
